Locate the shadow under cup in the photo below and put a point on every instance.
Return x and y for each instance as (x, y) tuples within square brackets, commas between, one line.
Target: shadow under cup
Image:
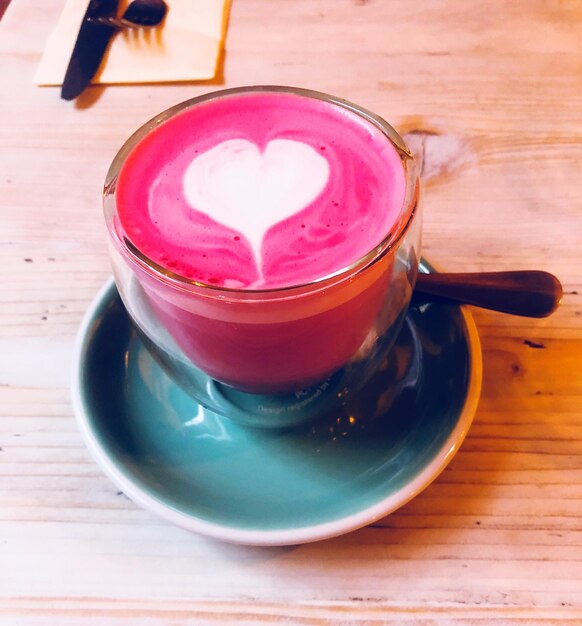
[(272, 357)]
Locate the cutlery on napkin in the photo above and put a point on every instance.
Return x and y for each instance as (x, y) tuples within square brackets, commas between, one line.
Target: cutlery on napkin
[(185, 47)]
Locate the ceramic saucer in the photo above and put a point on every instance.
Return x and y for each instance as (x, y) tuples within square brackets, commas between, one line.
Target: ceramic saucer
[(264, 487)]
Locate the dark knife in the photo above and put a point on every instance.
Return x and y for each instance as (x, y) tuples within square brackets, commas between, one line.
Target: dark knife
[(91, 44)]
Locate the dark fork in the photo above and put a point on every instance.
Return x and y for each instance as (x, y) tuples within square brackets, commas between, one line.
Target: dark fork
[(139, 13)]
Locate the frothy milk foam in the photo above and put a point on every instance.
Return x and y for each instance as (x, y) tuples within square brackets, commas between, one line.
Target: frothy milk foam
[(260, 190)]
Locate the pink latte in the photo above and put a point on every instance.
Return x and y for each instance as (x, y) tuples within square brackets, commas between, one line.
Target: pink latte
[(260, 190), (250, 193)]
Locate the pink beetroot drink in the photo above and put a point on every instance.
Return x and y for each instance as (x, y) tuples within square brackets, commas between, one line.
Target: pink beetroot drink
[(257, 224)]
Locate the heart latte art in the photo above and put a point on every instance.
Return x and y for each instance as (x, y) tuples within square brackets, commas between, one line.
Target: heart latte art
[(260, 190), (250, 191)]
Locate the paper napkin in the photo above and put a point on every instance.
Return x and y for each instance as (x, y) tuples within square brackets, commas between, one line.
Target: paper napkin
[(185, 47)]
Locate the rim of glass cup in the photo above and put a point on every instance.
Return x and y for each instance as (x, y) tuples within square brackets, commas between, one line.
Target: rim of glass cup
[(390, 241)]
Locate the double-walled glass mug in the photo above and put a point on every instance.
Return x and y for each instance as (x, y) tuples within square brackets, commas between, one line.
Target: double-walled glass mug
[(277, 356)]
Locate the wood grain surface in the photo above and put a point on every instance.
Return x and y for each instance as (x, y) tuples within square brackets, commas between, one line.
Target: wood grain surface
[(489, 95)]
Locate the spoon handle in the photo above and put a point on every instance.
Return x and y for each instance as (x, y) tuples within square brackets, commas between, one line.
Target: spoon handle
[(529, 293)]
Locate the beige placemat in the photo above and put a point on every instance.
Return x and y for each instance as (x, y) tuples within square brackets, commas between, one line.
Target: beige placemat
[(185, 47)]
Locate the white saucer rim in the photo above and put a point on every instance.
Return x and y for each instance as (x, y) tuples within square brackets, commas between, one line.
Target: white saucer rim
[(286, 536)]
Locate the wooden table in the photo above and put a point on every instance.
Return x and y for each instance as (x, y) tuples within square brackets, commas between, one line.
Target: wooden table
[(490, 94)]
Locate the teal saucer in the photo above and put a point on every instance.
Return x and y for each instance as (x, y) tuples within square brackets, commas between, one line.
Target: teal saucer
[(263, 487)]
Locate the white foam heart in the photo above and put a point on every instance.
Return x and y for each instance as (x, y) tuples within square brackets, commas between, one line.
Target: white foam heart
[(250, 191)]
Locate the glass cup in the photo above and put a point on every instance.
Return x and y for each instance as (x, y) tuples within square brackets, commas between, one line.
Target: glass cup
[(272, 357)]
